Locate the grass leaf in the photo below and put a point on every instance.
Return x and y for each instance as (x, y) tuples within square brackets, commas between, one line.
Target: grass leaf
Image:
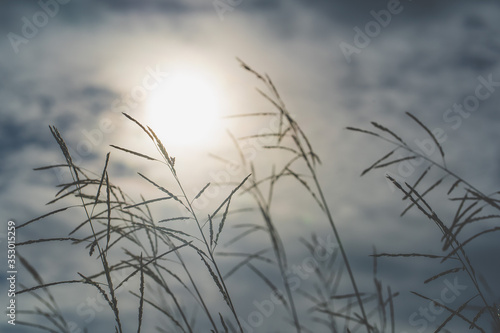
[(430, 134), (134, 153), (141, 292), (147, 202), (377, 162), (385, 129)]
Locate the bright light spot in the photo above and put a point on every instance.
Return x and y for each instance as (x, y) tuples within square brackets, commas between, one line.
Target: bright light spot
[(183, 111)]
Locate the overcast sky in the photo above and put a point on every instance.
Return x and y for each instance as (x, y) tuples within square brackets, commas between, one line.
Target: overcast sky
[(335, 63)]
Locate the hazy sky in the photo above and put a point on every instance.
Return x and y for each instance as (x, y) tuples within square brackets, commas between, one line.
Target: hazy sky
[(76, 64)]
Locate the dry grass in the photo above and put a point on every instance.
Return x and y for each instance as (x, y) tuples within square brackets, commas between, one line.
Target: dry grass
[(473, 207), (150, 250)]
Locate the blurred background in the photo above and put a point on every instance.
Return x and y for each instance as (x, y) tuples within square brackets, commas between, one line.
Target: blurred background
[(173, 66)]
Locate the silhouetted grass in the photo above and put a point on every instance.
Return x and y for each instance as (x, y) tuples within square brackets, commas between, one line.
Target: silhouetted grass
[(153, 251), (474, 207)]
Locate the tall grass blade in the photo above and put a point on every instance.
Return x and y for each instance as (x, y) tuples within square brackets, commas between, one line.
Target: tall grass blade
[(44, 216), (134, 153), (201, 192), (385, 129), (108, 204), (449, 271), (377, 162), (164, 190), (430, 134), (221, 224), (147, 202), (229, 196), (141, 300), (102, 179), (223, 323), (138, 124), (215, 278)]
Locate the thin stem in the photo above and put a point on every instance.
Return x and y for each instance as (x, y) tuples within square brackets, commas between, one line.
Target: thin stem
[(341, 247), (102, 255), (278, 248), (277, 245), (214, 262)]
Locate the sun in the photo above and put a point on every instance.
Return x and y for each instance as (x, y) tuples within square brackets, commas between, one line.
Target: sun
[(184, 109)]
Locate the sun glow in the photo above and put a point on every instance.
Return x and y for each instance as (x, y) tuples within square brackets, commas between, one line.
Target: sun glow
[(184, 109)]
